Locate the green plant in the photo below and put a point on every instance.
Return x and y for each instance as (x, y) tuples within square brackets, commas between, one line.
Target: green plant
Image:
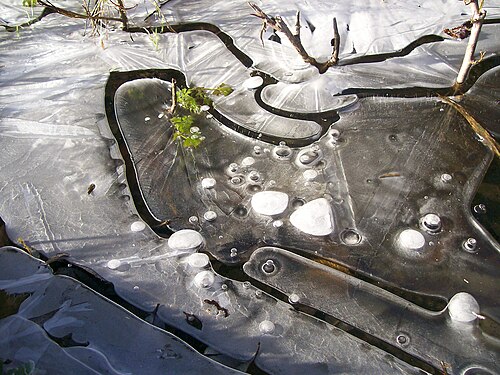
[(29, 3), (191, 100), (184, 130)]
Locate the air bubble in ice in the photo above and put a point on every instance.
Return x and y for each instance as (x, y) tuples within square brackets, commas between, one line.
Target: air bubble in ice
[(282, 151), (253, 83), (269, 266), (308, 157), (193, 219), (470, 245), (233, 168), (254, 188), (185, 239), (247, 161), (480, 208), (237, 180), (431, 223), (210, 215), (137, 226), (411, 239), (257, 150), (208, 183), (234, 252), (350, 237), (198, 260), (266, 327), (269, 202), (194, 129), (113, 264), (314, 218), (310, 174), (445, 177), (204, 279), (293, 298), (463, 307), (254, 176), (278, 223)]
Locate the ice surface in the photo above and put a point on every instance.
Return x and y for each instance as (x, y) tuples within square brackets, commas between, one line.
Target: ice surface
[(314, 217), (380, 174), (62, 310)]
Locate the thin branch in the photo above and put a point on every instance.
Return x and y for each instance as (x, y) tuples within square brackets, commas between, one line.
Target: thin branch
[(174, 96), (478, 16), (123, 12), (334, 59), (297, 24), (71, 14), (278, 24)]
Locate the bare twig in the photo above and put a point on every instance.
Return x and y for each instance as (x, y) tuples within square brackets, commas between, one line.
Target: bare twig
[(278, 24), (478, 16), (71, 14), (174, 98), (94, 15), (123, 12)]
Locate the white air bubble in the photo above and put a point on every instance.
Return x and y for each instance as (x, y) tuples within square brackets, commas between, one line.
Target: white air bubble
[(210, 215), (269, 202), (253, 83), (185, 240), (137, 226), (198, 260), (246, 162), (208, 183), (204, 279), (310, 174), (463, 308), (113, 264), (411, 239), (266, 327)]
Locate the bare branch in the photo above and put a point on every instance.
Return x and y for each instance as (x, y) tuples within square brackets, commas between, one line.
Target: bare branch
[(174, 97), (71, 14), (297, 24), (477, 22), (335, 43), (278, 24)]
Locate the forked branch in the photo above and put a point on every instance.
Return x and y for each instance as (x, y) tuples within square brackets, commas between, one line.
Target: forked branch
[(278, 24)]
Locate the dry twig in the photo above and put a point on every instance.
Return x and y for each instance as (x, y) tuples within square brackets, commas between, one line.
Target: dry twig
[(278, 24), (477, 19)]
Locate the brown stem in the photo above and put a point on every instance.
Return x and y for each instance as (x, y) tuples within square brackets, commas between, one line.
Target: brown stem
[(278, 24), (71, 14), (123, 13), (477, 22), (174, 97)]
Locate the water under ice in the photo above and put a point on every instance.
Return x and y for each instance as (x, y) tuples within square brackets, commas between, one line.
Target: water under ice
[(363, 153)]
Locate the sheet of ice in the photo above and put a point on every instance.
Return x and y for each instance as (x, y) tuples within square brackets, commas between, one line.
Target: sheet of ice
[(56, 142), (86, 322)]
